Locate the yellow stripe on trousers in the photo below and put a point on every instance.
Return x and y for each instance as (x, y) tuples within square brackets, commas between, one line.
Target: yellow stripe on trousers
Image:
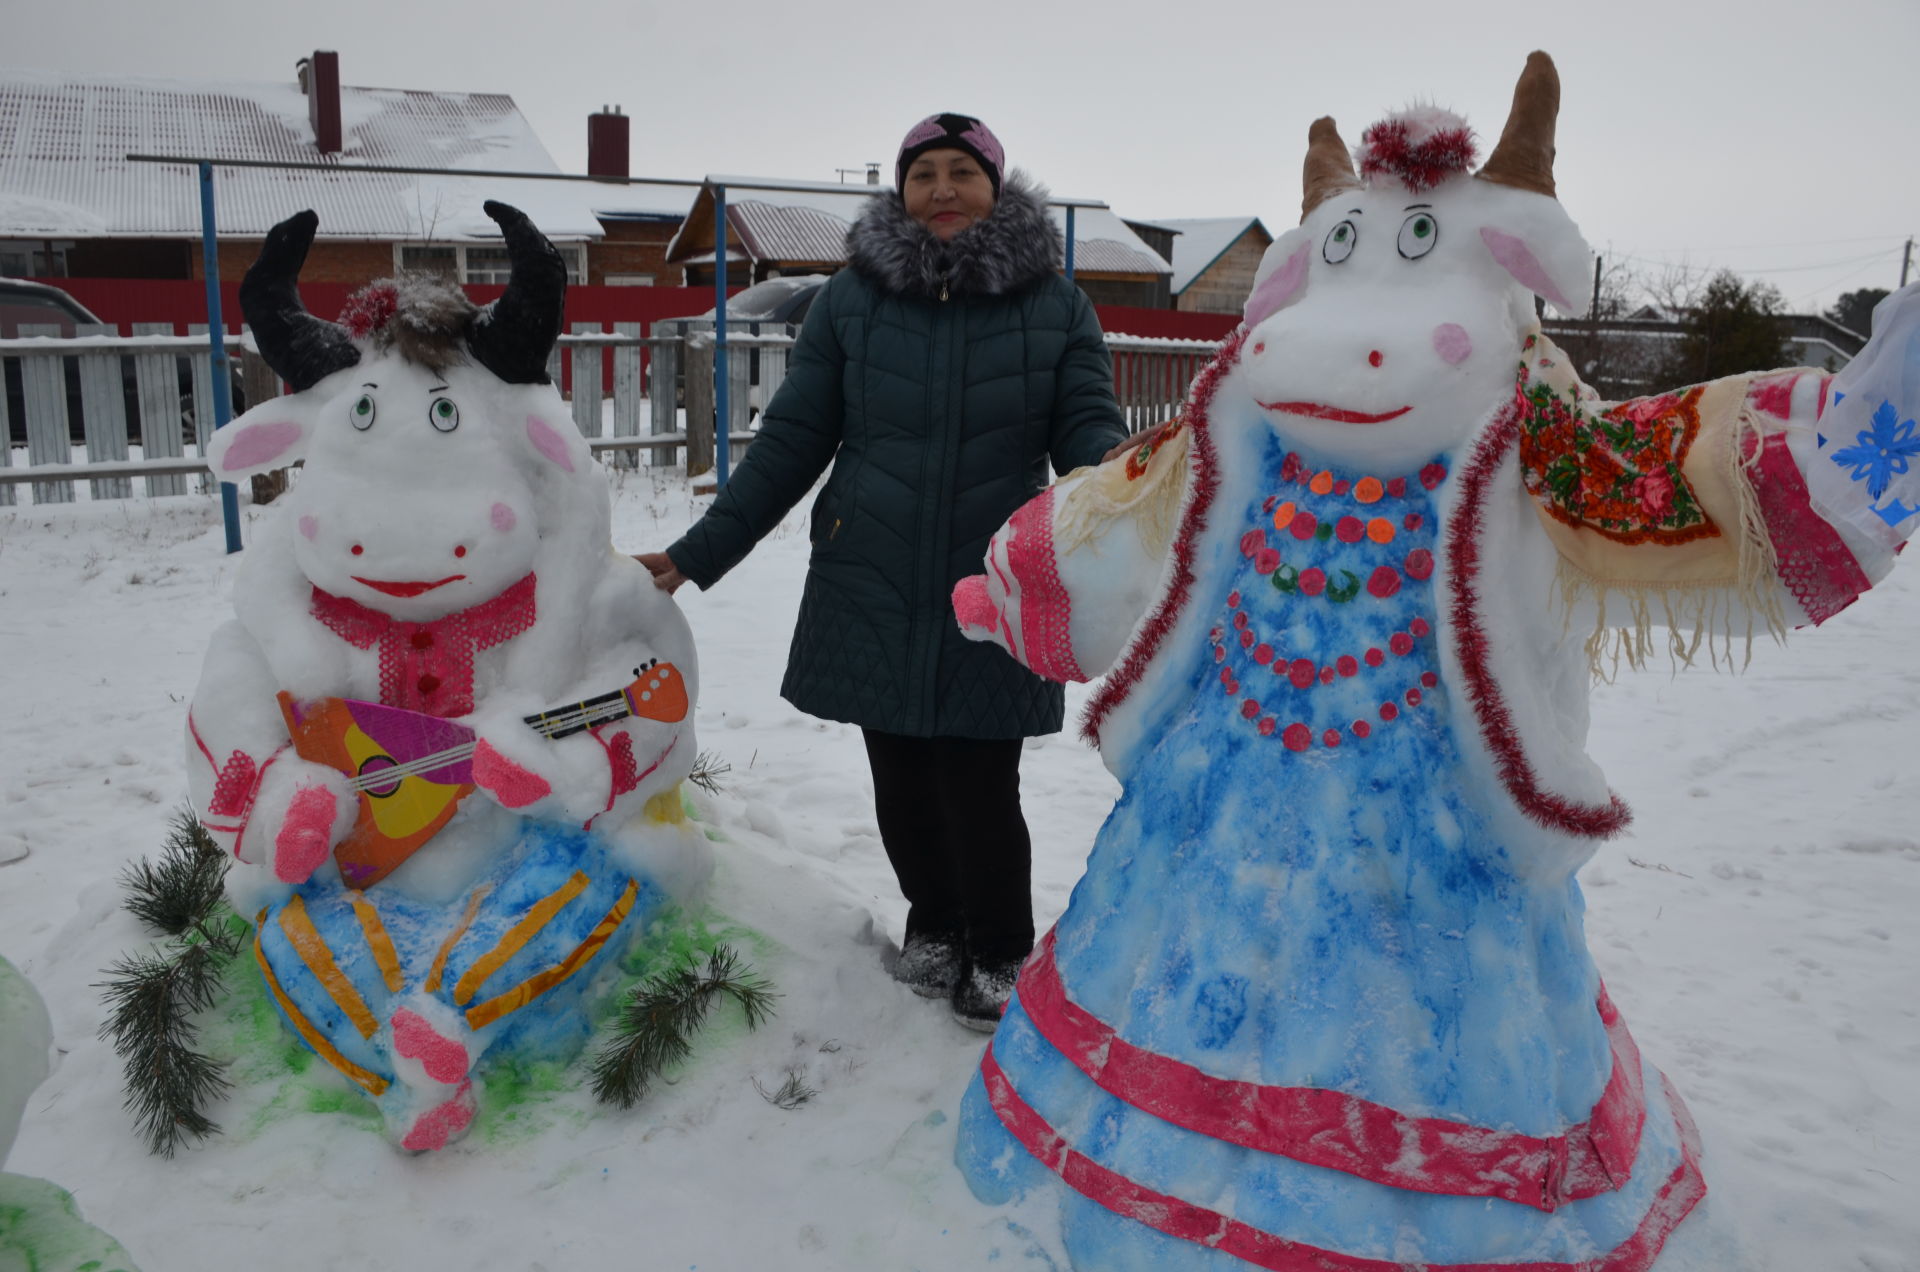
[(385, 957), (517, 936), (484, 1014), (312, 949), (446, 946), (373, 1082)]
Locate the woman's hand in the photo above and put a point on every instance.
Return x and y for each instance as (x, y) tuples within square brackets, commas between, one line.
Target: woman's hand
[(1138, 439), (666, 575)]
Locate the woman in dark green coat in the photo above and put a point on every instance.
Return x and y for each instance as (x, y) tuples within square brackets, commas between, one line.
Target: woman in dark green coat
[(938, 376)]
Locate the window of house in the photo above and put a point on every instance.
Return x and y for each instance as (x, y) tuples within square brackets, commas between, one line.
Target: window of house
[(480, 263)]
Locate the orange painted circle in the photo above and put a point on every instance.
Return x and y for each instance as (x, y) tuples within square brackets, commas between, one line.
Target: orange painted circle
[(1380, 530), (1321, 484), (1283, 515), (1368, 490)]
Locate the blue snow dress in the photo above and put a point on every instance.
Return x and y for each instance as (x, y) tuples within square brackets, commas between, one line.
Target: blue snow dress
[(1299, 911)]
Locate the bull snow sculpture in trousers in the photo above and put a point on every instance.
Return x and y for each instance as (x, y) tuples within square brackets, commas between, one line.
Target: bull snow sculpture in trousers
[(435, 612), (1323, 998)]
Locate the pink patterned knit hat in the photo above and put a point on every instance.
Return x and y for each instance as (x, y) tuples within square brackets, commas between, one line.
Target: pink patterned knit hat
[(951, 132)]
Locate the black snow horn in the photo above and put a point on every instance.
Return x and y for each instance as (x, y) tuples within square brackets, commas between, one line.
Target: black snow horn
[(302, 349), (513, 336)]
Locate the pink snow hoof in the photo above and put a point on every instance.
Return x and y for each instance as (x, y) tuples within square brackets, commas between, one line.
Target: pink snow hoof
[(302, 843), (442, 1124), (512, 785), (979, 617), (444, 1059)]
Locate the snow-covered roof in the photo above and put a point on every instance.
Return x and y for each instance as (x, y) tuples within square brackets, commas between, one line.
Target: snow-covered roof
[(1201, 242), (807, 223), (64, 138), (643, 199)]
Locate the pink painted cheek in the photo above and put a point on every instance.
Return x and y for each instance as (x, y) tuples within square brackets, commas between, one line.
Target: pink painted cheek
[(1451, 342), (309, 528), (548, 442), (503, 518)]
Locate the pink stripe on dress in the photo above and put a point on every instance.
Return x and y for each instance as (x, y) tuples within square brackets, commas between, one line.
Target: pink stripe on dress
[(1813, 561), (1046, 612), (1676, 1199), (1346, 1133)]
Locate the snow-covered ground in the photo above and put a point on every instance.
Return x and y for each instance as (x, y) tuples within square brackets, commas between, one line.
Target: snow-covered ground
[(1756, 928)]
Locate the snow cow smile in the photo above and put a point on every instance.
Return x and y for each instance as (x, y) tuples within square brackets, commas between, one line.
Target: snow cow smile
[(1339, 415), (407, 589)]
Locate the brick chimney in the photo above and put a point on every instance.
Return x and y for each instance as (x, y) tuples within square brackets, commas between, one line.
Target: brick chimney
[(320, 81), (607, 143)]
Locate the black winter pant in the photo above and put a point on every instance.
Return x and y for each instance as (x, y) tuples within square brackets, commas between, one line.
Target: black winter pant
[(949, 812)]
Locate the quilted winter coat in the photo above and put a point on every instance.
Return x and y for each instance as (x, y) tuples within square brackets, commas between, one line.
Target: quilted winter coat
[(938, 380)]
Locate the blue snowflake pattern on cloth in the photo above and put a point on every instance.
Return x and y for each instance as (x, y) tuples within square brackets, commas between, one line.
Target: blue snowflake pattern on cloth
[(1882, 452)]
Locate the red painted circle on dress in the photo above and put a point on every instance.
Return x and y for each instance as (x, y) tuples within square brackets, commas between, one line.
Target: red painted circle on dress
[(1302, 672), (1263, 654), (1303, 525), (1226, 674), (1347, 665), (1240, 620), (1383, 582), (1219, 653), (1313, 581), (1342, 486), (1298, 737), (1349, 529), (1413, 521), (1252, 541), (1232, 686), (1374, 657), (1428, 679), (1388, 711), (1361, 728), (1249, 708), (1401, 644), (1432, 475), (1266, 561), (1413, 697), (1292, 468), (1419, 627), (1246, 640), (1267, 725), (1330, 738), (1420, 564), (1233, 599), (1397, 487), (1326, 675)]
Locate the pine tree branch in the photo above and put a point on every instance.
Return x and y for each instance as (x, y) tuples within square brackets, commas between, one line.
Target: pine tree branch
[(655, 1027), (179, 891), (708, 769), (151, 1001)]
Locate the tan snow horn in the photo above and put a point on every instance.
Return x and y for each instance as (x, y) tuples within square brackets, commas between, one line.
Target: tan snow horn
[(1524, 157), (1329, 168)]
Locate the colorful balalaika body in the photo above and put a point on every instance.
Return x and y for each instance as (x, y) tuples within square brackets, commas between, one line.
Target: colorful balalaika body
[(409, 771)]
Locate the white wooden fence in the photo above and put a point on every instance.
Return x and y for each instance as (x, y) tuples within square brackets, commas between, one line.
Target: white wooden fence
[(145, 401)]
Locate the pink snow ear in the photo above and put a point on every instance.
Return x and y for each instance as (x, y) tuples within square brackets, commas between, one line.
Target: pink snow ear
[(271, 435), (1282, 275), (1532, 238), (547, 440)]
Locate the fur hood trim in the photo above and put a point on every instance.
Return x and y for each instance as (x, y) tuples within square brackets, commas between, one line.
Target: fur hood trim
[(1015, 245)]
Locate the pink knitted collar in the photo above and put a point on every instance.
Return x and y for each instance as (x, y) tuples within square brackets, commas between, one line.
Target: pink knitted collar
[(428, 667)]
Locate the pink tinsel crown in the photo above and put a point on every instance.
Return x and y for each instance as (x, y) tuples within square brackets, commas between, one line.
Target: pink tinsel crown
[(369, 309), (1422, 147)]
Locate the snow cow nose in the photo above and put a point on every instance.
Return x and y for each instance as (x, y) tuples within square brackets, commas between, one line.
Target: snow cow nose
[(1375, 358), (1451, 342)]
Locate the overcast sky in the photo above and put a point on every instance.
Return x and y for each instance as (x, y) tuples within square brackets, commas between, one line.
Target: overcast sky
[(1692, 132)]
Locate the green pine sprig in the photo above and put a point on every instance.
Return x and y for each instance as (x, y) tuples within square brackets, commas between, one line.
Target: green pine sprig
[(656, 1024), (152, 998)]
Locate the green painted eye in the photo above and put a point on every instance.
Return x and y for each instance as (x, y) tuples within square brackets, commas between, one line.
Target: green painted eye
[(1418, 234), (444, 415), (1339, 244), (362, 413)]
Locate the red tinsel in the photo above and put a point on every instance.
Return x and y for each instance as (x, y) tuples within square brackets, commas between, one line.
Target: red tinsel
[(1388, 147), (369, 309)]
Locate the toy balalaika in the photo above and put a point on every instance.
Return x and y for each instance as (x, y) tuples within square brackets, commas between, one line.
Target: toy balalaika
[(410, 771)]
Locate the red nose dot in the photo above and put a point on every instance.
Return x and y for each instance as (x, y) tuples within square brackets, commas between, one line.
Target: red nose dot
[(460, 551), (1261, 347), (357, 549), (1374, 358)]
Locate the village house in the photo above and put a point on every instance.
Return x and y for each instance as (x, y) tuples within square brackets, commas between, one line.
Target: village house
[(1214, 259)]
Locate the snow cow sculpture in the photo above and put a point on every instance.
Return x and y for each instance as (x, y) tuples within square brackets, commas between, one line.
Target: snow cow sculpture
[(1323, 998), (436, 612)]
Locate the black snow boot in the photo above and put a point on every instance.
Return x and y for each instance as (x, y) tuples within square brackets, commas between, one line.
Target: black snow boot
[(929, 963), (980, 995)]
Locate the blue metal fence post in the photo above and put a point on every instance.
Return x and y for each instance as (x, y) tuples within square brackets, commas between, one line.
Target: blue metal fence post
[(217, 352), (1069, 243), (722, 445)]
